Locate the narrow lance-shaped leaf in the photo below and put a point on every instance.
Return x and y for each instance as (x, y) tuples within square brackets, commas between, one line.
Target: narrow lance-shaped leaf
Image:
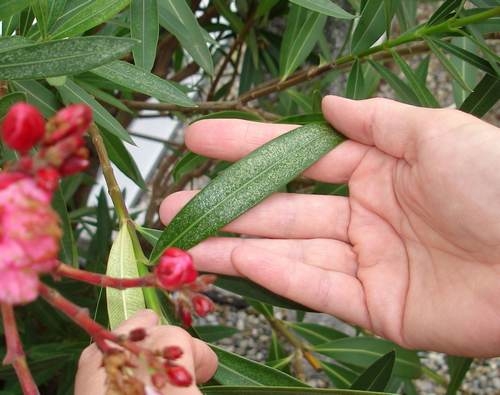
[(144, 27), (11, 7), (436, 50), (41, 11), (469, 73), (85, 15), (8, 100), (38, 95), (421, 91), (121, 263), (371, 25), (236, 370), (178, 19), (279, 390), (377, 375), (443, 12), (137, 79), (301, 34), (355, 82), (61, 57), (246, 183), (13, 42), (458, 367), (325, 7), (68, 254), (484, 96), (73, 93)]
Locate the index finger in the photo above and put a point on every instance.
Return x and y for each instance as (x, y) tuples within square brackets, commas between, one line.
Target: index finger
[(232, 139)]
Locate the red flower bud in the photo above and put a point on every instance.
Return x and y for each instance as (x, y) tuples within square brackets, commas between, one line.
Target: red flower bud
[(179, 376), (74, 119), (159, 380), (23, 127), (47, 178), (175, 269), (185, 315), (73, 165), (202, 305), (137, 334), (172, 352)]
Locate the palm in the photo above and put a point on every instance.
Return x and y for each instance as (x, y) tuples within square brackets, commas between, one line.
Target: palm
[(404, 255)]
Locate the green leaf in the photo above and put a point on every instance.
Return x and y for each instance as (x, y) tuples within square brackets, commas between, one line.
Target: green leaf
[(325, 7), (249, 390), (363, 351), (458, 367), (340, 376), (355, 82), (13, 42), (248, 289), (423, 94), (41, 10), (122, 263), (7, 101), (246, 183), (465, 55), (144, 27), (119, 155), (276, 350), (73, 93), (446, 63), (236, 370), (371, 25), (406, 12), (484, 96), (422, 70), (377, 375), (213, 333), (389, 10), (302, 31), (176, 17), (230, 114), (315, 333), (61, 57), (38, 95), (11, 7), (84, 15), (444, 12), (103, 96), (68, 253), (402, 90), (469, 73), (137, 79), (189, 162)]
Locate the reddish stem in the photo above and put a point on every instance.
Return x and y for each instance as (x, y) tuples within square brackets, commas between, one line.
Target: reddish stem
[(102, 280), (15, 353)]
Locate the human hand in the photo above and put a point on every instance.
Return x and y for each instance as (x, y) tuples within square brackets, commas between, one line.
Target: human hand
[(413, 254), (197, 357)]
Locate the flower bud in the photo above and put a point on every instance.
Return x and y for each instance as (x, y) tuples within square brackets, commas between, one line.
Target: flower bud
[(137, 334), (47, 178), (23, 127), (172, 352), (175, 269), (158, 380), (71, 120), (202, 305), (185, 315), (179, 376)]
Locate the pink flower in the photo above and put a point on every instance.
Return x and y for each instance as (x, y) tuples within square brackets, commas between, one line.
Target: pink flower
[(29, 238)]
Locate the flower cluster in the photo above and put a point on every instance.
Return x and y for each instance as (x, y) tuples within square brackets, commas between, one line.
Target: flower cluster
[(29, 227)]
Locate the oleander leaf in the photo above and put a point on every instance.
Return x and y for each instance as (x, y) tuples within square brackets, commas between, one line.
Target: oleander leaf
[(458, 367), (371, 25), (137, 79), (8, 100), (377, 375), (246, 183), (325, 7), (11, 7), (38, 95), (144, 27), (280, 390), (483, 97), (122, 263), (61, 57)]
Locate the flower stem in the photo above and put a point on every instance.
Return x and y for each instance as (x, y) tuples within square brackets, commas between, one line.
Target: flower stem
[(15, 353), (103, 280)]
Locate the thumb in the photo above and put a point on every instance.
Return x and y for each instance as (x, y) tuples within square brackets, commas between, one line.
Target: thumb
[(142, 319)]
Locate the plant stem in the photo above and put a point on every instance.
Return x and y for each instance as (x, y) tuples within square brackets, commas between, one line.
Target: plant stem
[(150, 296), (102, 280), (303, 348), (15, 353)]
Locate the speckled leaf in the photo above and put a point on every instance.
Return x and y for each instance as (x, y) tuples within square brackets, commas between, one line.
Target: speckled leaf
[(121, 263), (246, 183), (144, 27), (13, 42), (275, 390), (137, 79), (85, 15), (61, 57)]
